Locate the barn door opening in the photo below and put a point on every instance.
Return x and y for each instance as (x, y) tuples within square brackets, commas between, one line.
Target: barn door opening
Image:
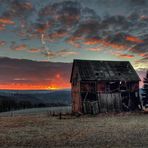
[(90, 103), (89, 97)]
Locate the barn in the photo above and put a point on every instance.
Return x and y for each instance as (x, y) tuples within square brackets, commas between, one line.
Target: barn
[(104, 86)]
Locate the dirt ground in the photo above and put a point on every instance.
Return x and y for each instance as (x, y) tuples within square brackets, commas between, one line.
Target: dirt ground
[(124, 130)]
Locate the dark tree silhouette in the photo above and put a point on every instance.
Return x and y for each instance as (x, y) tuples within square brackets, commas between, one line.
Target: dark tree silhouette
[(145, 90)]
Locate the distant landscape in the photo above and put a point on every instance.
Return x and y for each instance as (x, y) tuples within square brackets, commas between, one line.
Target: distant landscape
[(15, 100), (11, 100)]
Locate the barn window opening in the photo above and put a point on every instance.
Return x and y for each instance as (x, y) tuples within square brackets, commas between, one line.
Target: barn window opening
[(123, 86), (88, 87), (113, 87)]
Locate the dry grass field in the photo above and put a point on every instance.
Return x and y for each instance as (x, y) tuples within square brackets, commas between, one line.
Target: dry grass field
[(122, 130)]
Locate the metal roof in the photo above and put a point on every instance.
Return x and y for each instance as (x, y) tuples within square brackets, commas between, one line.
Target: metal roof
[(105, 70)]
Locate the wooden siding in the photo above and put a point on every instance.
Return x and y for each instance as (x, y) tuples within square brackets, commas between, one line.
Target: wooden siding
[(75, 85)]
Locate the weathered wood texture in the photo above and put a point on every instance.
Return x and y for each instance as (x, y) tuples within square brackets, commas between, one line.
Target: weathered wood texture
[(104, 88)]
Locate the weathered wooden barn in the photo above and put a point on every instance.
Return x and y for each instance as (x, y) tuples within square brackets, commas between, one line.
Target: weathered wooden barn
[(104, 86)]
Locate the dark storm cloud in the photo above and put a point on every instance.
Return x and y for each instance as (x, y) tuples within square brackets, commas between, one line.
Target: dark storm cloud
[(86, 29), (138, 2), (67, 13), (116, 23), (18, 8)]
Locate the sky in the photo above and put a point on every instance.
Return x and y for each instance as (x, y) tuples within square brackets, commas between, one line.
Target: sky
[(49, 34)]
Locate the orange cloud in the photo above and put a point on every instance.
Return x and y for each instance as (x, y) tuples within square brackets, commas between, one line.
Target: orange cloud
[(34, 50), (92, 41), (58, 34), (144, 55), (114, 45), (134, 39), (125, 55), (19, 47), (75, 44), (6, 21), (94, 49), (105, 42)]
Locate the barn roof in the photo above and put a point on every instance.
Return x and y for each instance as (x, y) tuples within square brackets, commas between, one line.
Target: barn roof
[(105, 70)]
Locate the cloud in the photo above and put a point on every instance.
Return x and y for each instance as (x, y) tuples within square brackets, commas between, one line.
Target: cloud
[(18, 8), (34, 50), (142, 63), (134, 39), (66, 12), (41, 27), (115, 23), (58, 34), (2, 27), (19, 47), (79, 24), (128, 56), (2, 43), (138, 2), (87, 28), (144, 55), (93, 41), (95, 49), (141, 48), (6, 21), (61, 53)]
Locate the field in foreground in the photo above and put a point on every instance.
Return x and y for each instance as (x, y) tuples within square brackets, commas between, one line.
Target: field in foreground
[(101, 131)]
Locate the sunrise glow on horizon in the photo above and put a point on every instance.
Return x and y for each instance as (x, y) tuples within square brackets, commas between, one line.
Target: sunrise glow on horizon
[(32, 87)]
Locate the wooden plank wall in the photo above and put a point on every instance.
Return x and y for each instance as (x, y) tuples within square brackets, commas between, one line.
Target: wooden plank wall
[(110, 102)]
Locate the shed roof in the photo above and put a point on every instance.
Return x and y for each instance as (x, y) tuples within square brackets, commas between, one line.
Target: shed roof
[(105, 70)]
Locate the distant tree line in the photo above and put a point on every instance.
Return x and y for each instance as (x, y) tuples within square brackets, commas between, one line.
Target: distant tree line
[(10, 104)]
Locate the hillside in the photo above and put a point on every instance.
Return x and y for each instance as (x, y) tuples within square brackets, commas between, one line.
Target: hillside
[(13, 100)]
